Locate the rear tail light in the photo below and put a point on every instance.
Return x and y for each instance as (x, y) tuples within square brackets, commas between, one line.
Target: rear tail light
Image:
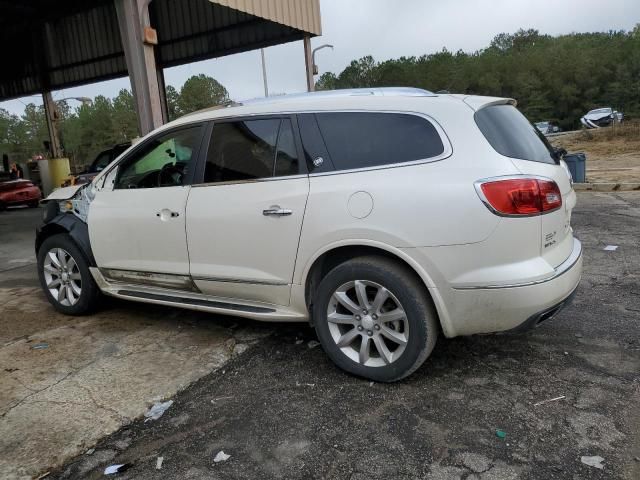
[(520, 196)]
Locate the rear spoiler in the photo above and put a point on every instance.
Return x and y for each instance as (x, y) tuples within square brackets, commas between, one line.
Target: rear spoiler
[(477, 102)]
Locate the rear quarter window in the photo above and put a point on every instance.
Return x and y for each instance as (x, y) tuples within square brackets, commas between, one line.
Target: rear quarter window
[(362, 139), (512, 135)]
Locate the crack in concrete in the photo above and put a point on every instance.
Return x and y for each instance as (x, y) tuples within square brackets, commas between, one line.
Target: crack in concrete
[(123, 419), (24, 399)]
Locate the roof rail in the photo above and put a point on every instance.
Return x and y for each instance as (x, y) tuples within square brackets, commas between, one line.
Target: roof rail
[(347, 92)]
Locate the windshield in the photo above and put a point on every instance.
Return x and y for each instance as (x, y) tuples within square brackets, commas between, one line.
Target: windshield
[(512, 135)]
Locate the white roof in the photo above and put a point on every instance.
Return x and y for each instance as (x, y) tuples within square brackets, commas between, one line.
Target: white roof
[(388, 98)]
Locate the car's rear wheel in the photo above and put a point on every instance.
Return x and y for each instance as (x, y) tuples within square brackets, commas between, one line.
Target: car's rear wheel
[(374, 318), (65, 276), (34, 204)]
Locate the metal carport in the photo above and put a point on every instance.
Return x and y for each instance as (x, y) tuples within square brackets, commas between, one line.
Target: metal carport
[(54, 44)]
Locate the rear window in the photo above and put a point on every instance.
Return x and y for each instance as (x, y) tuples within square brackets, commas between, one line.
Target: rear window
[(359, 139), (512, 135)]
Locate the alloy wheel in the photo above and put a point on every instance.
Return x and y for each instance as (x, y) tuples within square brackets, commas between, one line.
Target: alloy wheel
[(368, 323), (62, 276)]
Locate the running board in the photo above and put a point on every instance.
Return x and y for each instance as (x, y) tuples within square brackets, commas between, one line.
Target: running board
[(195, 302), (264, 312)]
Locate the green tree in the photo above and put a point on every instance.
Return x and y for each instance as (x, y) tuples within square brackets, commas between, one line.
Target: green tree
[(172, 96), (200, 91)]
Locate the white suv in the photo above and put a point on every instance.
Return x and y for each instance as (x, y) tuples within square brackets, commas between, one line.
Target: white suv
[(382, 216)]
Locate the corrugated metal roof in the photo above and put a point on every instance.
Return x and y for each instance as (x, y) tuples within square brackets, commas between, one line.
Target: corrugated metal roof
[(190, 30), (55, 44), (300, 14)]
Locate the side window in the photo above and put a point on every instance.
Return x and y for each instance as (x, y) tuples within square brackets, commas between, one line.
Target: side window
[(315, 150), (357, 140), (165, 161), (251, 149), (287, 155)]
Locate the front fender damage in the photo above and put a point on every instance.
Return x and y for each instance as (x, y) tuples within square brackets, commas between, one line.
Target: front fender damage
[(74, 200), (70, 216)]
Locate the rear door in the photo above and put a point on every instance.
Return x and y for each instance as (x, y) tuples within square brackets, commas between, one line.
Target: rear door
[(512, 135), (245, 216)]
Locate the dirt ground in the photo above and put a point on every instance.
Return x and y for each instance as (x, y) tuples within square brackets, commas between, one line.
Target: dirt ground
[(613, 154), (282, 410)]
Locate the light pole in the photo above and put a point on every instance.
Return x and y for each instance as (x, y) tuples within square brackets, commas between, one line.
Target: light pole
[(84, 100), (313, 56), (264, 74)]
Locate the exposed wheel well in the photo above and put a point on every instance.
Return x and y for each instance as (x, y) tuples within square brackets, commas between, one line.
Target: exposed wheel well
[(72, 226), (47, 231), (328, 260)]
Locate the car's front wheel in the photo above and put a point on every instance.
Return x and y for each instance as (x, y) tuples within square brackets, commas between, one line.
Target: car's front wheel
[(65, 276), (374, 319)]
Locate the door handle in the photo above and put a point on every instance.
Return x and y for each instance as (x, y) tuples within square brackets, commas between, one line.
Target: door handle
[(163, 214), (276, 211)]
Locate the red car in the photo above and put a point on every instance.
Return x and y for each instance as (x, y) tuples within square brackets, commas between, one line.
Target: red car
[(19, 192)]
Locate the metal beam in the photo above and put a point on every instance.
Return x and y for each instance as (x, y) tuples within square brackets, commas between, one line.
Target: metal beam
[(133, 17), (308, 62)]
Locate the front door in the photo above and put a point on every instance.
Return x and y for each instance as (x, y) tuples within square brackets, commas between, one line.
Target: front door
[(244, 219), (137, 218)]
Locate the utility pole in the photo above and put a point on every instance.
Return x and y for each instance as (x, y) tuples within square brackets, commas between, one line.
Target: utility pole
[(51, 115), (264, 74)]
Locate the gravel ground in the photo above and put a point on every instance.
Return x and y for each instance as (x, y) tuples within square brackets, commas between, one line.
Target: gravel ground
[(282, 410)]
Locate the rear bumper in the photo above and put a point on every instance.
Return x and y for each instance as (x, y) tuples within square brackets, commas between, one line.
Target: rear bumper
[(499, 308), (546, 314)]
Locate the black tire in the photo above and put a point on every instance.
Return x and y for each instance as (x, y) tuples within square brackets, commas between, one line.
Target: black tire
[(408, 289), (33, 204), (90, 293)]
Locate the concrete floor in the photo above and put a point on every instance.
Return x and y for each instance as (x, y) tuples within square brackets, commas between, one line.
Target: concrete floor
[(282, 410), (97, 373)]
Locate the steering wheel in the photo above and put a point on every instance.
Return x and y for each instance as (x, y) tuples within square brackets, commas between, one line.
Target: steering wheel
[(170, 175)]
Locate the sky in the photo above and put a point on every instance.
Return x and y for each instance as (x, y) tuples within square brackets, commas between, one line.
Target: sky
[(384, 29)]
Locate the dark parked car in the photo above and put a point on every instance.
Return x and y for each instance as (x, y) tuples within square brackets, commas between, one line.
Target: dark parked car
[(547, 127), (19, 192), (101, 161)]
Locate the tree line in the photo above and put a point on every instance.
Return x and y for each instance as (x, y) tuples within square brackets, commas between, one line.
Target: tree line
[(556, 79), (88, 129)]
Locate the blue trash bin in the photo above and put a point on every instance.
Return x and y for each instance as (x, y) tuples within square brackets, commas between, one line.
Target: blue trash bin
[(577, 163)]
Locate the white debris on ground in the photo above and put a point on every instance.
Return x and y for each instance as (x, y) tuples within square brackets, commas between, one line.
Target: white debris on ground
[(298, 384), (610, 248), (595, 461), (157, 410), (549, 400), (313, 344), (112, 469), (159, 463), (221, 457)]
